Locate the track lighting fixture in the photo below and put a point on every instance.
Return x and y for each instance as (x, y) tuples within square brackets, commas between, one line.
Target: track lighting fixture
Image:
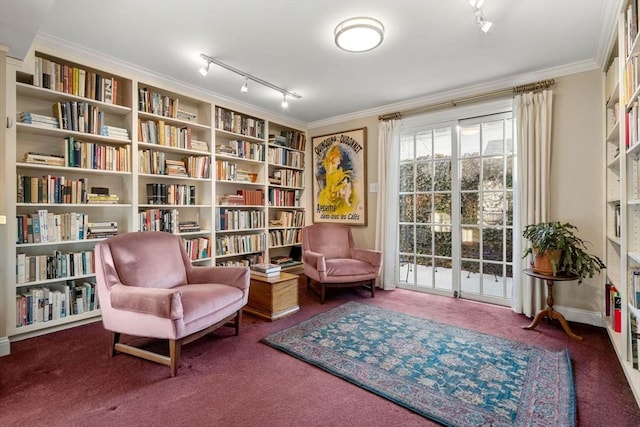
[(245, 88), (481, 21)]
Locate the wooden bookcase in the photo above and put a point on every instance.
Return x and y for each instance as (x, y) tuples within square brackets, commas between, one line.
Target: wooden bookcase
[(621, 153), (162, 156)]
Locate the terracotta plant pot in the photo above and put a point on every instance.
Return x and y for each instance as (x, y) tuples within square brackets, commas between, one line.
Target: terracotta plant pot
[(544, 263)]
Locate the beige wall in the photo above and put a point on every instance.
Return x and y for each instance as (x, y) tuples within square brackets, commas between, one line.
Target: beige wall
[(576, 174)]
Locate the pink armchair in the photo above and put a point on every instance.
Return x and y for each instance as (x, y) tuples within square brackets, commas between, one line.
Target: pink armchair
[(331, 261), (147, 287)]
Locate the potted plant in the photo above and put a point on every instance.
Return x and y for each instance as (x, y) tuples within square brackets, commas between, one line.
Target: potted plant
[(556, 245)]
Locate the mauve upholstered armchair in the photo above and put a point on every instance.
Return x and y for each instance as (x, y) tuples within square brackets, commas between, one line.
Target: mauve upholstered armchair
[(331, 261), (148, 288)]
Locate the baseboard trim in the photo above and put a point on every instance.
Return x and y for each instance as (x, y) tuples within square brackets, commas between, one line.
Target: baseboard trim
[(581, 316), (5, 349)]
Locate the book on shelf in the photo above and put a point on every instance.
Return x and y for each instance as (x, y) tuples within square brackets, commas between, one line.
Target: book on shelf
[(38, 120), (114, 132), (266, 267), (225, 149), (199, 145), (105, 199), (44, 158), (102, 229), (277, 139), (188, 226), (175, 168), (280, 259), (186, 115), (617, 312)]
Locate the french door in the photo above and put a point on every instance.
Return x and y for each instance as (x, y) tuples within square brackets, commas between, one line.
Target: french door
[(455, 208)]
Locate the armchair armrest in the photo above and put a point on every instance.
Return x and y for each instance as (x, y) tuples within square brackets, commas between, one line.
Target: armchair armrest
[(159, 302), (232, 276), (314, 259), (371, 256)]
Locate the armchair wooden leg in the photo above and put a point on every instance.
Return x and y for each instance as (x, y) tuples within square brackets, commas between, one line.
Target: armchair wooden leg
[(115, 338), (323, 289), (373, 288), (237, 320), (174, 355)]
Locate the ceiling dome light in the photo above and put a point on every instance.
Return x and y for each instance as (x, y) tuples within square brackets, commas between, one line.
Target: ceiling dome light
[(359, 34)]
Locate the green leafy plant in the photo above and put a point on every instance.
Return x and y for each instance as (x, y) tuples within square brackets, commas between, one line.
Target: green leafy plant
[(574, 258)]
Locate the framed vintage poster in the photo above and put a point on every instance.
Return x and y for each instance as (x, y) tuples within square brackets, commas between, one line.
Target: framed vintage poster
[(340, 177)]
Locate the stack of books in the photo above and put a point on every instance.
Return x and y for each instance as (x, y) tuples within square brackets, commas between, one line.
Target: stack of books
[(175, 168), (188, 227), (226, 150), (102, 199), (199, 145), (102, 230), (46, 159), (115, 132), (38, 120), (281, 259), (266, 269)]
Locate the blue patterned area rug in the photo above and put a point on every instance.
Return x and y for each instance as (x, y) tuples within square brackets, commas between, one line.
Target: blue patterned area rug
[(454, 376)]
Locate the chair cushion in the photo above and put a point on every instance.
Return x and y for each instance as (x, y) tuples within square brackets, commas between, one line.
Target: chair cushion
[(349, 267), (200, 300)]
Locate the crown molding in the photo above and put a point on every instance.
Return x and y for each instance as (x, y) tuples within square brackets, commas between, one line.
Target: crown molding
[(80, 54), (500, 84), (607, 32)]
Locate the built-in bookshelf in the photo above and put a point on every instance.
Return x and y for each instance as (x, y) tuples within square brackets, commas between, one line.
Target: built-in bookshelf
[(175, 190), (621, 155), (94, 153), (240, 188), (285, 195), (73, 175)]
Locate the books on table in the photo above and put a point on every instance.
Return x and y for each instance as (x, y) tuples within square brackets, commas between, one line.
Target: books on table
[(266, 269)]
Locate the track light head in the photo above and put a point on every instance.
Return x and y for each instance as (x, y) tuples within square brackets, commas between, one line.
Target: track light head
[(204, 70), (485, 26), (285, 103), (245, 87)]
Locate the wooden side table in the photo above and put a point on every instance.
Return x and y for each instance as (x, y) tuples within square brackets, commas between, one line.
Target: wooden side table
[(273, 297), (549, 312)]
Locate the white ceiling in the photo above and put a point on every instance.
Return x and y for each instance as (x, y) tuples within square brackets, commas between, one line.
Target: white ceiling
[(430, 47)]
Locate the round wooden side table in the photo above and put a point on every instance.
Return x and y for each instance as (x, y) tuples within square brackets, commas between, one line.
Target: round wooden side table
[(549, 312)]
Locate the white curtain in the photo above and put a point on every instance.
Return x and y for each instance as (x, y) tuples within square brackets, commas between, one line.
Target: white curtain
[(532, 113), (387, 207)]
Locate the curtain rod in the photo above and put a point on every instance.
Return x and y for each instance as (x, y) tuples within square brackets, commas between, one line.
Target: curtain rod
[(535, 86)]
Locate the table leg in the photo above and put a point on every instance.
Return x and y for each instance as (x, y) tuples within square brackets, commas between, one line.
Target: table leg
[(536, 319), (552, 314)]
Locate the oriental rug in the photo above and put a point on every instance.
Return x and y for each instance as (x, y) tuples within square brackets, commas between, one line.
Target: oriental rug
[(454, 376)]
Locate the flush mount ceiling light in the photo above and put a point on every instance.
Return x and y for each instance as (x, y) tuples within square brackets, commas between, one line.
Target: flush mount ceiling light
[(482, 22), (359, 34)]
